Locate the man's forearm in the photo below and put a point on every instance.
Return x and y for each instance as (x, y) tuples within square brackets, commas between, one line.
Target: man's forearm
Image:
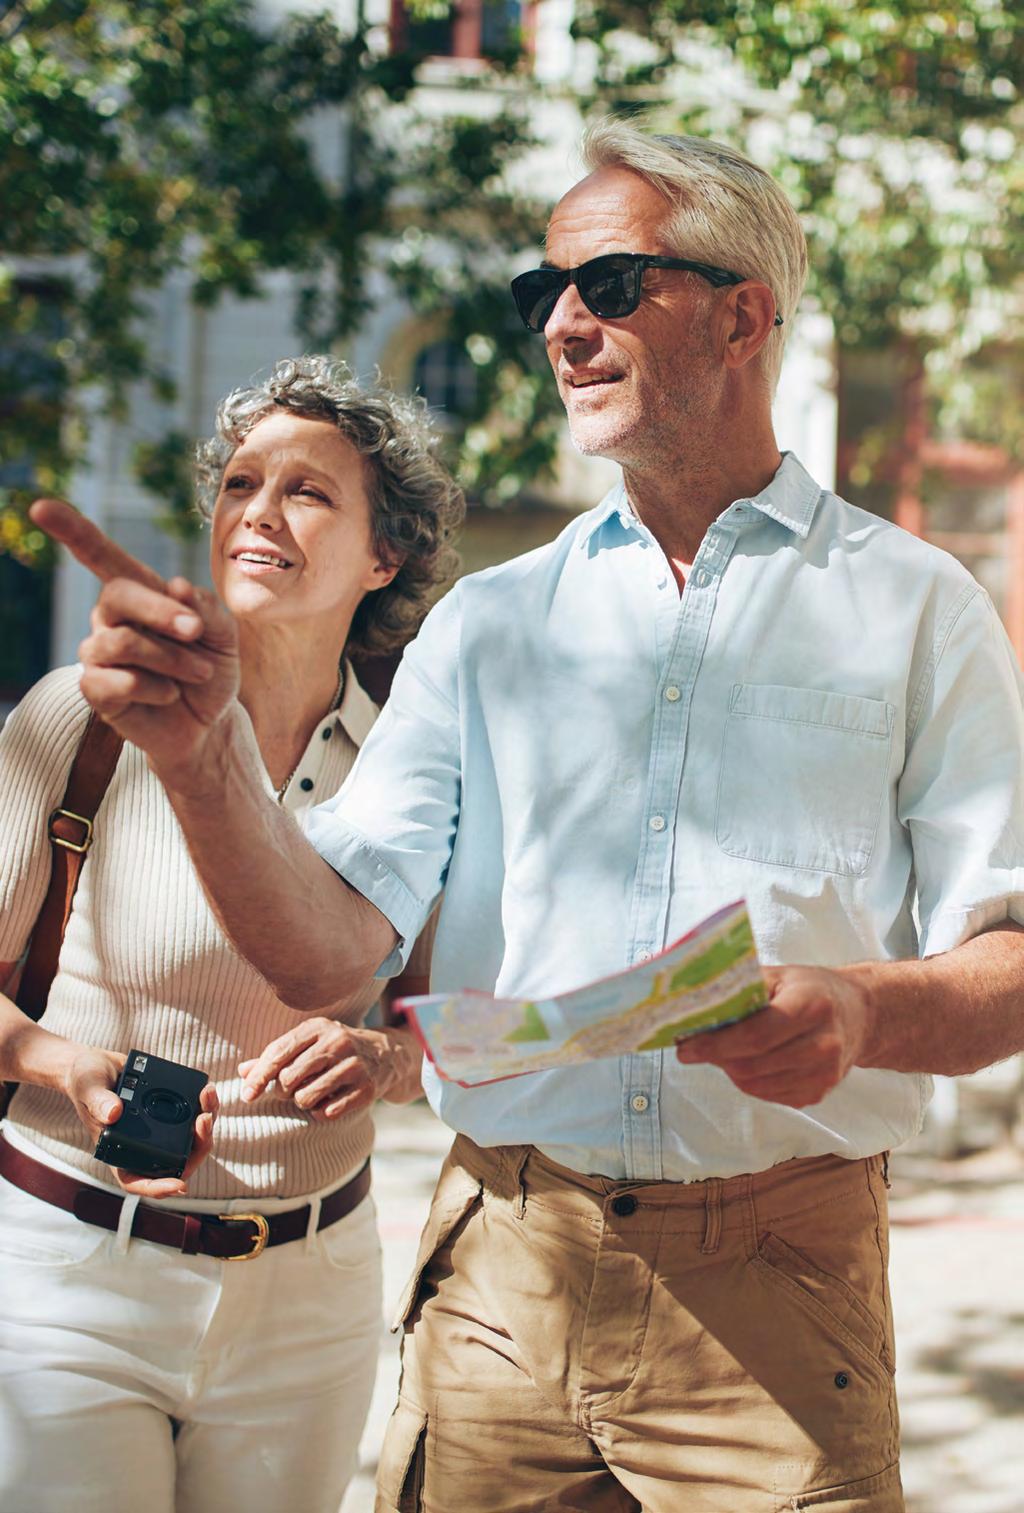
[(315, 939), (950, 1014)]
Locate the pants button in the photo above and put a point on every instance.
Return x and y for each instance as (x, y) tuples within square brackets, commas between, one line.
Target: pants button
[(624, 1205)]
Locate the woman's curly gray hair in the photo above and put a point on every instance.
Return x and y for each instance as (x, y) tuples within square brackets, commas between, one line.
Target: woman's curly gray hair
[(415, 505)]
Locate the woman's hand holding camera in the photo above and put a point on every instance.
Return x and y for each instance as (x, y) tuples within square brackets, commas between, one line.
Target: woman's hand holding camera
[(329, 1069), (89, 1078)]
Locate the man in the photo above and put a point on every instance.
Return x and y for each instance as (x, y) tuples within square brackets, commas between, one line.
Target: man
[(658, 1282)]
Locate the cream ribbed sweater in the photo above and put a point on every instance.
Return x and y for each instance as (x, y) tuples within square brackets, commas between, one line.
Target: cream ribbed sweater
[(144, 962)]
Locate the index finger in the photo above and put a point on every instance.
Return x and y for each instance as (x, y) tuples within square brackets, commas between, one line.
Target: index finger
[(89, 545)]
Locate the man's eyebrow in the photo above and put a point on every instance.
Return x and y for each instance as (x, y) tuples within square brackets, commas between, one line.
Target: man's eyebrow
[(544, 263)]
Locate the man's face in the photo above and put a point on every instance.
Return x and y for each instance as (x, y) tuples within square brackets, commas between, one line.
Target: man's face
[(634, 386)]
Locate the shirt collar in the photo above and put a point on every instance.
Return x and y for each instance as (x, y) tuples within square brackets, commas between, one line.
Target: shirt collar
[(357, 712), (615, 502), (791, 499)]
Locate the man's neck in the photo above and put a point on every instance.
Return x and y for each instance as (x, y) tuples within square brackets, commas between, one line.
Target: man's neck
[(679, 499)]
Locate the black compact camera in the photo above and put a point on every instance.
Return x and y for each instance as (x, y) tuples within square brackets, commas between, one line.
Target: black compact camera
[(153, 1136)]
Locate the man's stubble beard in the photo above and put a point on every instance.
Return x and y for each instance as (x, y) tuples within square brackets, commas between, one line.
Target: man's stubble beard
[(671, 420), (639, 436)]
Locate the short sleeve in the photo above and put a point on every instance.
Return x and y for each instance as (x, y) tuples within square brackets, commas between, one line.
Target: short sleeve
[(390, 830), (423, 950), (37, 746), (962, 789)]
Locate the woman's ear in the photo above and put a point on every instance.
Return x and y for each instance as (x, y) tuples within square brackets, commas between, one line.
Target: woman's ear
[(382, 573)]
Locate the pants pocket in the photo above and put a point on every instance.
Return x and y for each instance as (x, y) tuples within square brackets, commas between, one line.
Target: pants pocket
[(400, 1474), (456, 1193), (882, 1493), (827, 1298)]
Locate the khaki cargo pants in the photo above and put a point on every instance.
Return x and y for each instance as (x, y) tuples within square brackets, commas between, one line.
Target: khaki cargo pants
[(713, 1347)]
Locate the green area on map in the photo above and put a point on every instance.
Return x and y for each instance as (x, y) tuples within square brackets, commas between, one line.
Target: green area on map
[(739, 1006), (532, 1027)]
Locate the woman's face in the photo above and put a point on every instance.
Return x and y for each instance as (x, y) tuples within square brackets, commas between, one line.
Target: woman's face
[(292, 540)]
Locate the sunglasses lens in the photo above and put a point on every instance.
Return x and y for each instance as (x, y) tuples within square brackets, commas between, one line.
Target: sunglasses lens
[(536, 294), (610, 286)]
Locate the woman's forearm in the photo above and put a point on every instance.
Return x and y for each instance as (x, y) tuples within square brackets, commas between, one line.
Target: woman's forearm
[(28, 1053), (405, 1058)]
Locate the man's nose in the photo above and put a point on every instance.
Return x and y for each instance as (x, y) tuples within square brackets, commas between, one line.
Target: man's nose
[(570, 320)]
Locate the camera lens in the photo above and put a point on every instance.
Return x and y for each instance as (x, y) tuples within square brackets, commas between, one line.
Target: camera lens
[(165, 1107)]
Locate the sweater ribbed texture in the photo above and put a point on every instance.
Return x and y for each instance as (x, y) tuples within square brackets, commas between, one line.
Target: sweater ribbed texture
[(144, 962)]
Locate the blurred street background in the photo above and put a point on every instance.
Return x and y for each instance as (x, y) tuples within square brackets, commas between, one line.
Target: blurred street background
[(193, 190)]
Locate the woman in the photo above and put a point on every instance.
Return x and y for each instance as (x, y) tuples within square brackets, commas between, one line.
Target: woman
[(131, 1370)]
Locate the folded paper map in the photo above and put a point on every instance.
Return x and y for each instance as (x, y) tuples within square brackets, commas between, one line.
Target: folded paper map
[(709, 978)]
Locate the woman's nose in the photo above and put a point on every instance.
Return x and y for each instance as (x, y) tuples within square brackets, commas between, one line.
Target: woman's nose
[(263, 511)]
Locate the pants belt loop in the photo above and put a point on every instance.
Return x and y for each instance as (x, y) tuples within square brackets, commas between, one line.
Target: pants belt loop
[(193, 1233), (126, 1219), (313, 1227), (713, 1216), (885, 1168)]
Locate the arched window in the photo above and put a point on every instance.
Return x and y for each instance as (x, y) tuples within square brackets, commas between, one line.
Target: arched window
[(446, 377)]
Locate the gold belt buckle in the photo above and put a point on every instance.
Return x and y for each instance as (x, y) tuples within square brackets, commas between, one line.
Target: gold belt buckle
[(79, 819), (259, 1239)]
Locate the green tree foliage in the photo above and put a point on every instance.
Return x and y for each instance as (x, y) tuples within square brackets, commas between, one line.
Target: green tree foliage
[(896, 129), (141, 137)]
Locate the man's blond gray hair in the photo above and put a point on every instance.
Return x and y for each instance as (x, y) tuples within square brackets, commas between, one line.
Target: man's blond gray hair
[(416, 506), (723, 210)]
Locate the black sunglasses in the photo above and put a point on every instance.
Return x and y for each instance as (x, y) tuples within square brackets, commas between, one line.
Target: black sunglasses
[(609, 286)]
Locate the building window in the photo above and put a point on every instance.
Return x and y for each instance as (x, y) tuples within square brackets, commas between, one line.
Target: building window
[(461, 29), (446, 377)]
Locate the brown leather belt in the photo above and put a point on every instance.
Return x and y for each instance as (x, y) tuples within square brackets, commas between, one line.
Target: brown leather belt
[(229, 1237)]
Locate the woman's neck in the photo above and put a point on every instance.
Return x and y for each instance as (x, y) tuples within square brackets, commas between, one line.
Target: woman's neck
[(288, 683)]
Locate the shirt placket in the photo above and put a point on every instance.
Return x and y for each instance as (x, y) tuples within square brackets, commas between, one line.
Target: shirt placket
[(694, 610)]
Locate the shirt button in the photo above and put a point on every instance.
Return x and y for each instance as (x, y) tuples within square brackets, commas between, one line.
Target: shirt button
[(639, 1103), (306, 785), (326, 733), (644, 955), (624, 1205), (658, 822), (672, 693)]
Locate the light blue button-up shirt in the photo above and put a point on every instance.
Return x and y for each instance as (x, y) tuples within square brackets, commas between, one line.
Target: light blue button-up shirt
[(827, 722)]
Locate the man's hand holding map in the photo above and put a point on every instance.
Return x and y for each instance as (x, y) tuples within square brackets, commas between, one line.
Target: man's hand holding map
[(709, 978)]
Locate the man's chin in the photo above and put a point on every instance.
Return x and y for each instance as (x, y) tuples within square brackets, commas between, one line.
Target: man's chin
[(598, 438)]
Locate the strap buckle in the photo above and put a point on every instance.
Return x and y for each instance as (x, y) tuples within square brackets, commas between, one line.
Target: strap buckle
[(259, 1239), (79, 847)]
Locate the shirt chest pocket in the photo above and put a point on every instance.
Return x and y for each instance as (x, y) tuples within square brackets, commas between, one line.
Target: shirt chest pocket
[(802, 777)]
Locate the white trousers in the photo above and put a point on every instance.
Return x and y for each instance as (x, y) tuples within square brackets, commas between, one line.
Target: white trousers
[(136, 1378)]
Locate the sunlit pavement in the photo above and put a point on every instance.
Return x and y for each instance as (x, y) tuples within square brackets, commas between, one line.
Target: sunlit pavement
[(958, 1293)]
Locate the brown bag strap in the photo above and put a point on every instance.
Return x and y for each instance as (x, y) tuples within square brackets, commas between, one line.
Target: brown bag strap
[(70, 831)]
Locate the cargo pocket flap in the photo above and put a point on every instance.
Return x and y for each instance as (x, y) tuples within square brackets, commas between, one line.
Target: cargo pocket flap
[(400, 1474)]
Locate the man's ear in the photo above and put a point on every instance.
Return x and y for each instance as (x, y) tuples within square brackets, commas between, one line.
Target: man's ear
[(751, 307)]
